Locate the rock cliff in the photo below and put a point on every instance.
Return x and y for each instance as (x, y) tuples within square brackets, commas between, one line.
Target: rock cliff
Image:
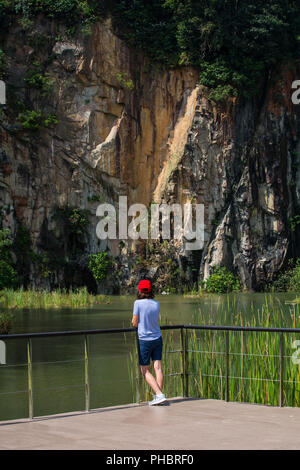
[(128, 127)]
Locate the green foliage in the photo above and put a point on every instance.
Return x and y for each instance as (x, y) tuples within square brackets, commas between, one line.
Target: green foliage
[(217, 77), (50, 7), (222, 281), (8, 277), (124, 81), (69, 12), (45, 268), (78, 221), (86, 30), (99, 265), (34, 120), (147, 26), (84, 8), (5, 323), (50, 120), (31, 119), (5, 243), (74, 223), (26, 23), (289, 280), (76, 15), (2, 63), (6, 9), (74, 220), (170, 290), (293, 222), (233, 43), (94, 198), (43, 299), (37, 79)]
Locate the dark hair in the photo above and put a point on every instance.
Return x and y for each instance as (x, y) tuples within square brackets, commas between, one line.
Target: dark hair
[(145, 295)]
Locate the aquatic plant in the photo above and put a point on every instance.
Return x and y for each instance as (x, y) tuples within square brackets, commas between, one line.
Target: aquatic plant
[(59, 298)]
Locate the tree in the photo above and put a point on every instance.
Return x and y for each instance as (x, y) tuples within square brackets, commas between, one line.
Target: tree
[(8, 276)]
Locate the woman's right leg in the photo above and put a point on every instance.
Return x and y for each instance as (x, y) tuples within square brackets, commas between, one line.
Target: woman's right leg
[(151, 380)]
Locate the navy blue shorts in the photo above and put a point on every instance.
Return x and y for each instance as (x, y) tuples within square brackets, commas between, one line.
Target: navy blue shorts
[(150, 350)]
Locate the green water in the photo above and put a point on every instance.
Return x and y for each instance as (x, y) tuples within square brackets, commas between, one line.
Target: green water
[(58, 362)]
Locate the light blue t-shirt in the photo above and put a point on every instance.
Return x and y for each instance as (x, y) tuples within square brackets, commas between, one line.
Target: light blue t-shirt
[(148, 312)]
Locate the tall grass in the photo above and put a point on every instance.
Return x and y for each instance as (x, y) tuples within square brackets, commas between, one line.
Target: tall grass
[(254, 358), (5, 323), (60, 298)]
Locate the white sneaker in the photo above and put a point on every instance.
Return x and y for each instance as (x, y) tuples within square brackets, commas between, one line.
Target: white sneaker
[(158, 399)]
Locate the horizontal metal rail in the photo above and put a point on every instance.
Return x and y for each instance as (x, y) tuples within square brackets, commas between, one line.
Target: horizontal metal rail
[(81, 332), (163, 327), (242, 328), (184, 373)]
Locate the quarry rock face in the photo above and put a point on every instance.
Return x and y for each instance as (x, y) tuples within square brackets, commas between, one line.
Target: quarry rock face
[(241, 163), (128, 127)]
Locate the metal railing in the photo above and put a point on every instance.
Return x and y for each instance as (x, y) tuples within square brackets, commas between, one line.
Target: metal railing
[(227, 329), (184, 373)]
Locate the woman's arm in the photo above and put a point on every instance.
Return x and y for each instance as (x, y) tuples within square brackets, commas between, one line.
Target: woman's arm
[(135, 315)]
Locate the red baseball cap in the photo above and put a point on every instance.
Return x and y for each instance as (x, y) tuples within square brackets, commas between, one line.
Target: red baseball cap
[(144, 286)]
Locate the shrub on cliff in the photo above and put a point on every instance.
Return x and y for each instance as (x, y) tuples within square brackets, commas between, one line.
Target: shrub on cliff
[(33, 120), (289, 280), (99, 265), (36, 78), (222, 281), (73, 223)]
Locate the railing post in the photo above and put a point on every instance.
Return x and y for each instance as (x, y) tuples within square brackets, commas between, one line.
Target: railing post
[(242, 366), (281, 369), (184, 375), (186, 364), (182, 362), (227, 366), (86, 373), (138, 390), (29, 373)]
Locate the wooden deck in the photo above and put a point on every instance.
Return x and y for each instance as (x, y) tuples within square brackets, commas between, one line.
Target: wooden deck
[(180, 424)]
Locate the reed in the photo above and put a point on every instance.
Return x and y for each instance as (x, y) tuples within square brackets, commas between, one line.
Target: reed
[(254, 358), (43, 299)]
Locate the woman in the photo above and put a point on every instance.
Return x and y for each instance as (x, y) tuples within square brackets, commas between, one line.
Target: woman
[(145, 319)]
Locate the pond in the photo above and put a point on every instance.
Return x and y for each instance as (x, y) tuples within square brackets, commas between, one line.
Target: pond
[(58, 362)]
